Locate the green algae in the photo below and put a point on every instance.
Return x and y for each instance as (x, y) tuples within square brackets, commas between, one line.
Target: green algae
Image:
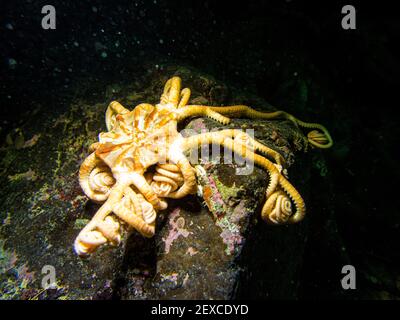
[(29, 175), (80, 223), (227, 192)]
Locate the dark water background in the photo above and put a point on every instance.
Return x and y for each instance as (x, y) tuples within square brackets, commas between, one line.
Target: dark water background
[(269, 48)]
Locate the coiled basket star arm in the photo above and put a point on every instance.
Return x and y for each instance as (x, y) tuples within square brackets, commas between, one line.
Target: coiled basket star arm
[(319, 139), (276, 179)]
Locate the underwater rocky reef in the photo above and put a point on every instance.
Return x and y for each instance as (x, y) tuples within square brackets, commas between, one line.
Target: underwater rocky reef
[(55, 86), (202, 244)]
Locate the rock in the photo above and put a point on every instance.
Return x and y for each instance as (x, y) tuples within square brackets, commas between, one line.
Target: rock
[(215, 247), (42, 213)]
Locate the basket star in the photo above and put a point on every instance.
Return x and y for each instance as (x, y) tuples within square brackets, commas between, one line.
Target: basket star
[(140, 162)]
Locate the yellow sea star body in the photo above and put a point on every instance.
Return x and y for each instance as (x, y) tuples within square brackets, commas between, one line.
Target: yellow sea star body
[(117, 172)]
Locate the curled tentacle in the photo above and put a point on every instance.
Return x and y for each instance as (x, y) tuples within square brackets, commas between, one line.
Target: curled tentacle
[(110, 229), (139, 206), (166, 179), (95, 179), (161, 181), (101, 179), (295, 197), (148, 213), (130, 208), (277, 209), (162, 189), (189, 185), (88, 242), (170, 171), (91, 236), (146, 190), (134, 220), (319, 139), (131, 201), (169, 177)]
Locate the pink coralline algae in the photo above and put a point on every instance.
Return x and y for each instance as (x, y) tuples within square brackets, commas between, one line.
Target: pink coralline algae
[(231, 234), (217, 198), (213, 198), (199, 126), (231, 239), (176, 229)]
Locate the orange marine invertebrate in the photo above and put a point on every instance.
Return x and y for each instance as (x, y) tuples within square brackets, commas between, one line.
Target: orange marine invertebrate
[(140, 161)]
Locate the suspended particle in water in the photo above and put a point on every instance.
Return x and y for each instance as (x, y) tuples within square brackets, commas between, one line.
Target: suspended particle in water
[(12, 63)]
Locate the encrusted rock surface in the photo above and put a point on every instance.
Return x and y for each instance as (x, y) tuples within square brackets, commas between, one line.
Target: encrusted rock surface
[(210, 247)]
